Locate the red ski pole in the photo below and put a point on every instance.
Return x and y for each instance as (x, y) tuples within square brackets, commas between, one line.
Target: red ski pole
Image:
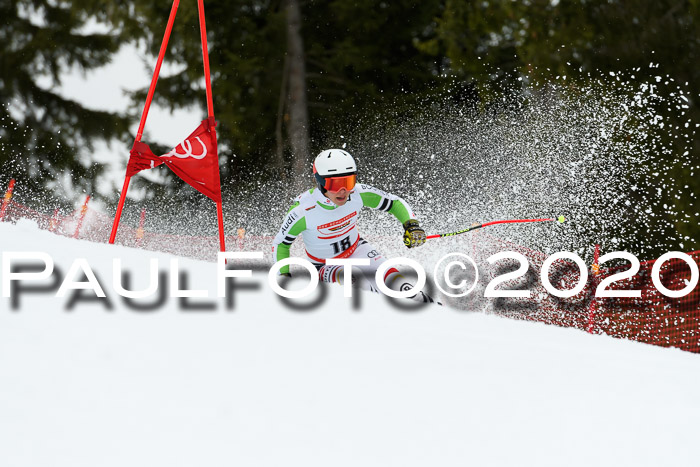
[(210, 111), (559, 219)]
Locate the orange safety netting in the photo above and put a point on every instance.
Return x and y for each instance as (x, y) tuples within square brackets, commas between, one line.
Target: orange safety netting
[(652, 318)]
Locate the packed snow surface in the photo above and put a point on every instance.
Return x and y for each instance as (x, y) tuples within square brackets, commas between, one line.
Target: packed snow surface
[(266, 384)]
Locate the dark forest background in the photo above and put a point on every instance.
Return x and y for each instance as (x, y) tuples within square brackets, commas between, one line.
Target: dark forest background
[(288, 73)]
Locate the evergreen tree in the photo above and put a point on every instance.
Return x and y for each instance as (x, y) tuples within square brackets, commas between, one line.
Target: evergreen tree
[(45, 139)]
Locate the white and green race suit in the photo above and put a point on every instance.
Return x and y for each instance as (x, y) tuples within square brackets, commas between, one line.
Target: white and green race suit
[(329, 230)]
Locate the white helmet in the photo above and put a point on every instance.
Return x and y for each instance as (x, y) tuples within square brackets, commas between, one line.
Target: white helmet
[(334, 163)]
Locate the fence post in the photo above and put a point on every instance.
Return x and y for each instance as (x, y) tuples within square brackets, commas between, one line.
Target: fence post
[(241, 237), (6, 200), (592, 307), (140, 231), (53, 224), (83, 211)]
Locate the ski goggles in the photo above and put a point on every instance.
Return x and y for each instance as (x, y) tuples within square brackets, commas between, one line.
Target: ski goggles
[(337, 183)]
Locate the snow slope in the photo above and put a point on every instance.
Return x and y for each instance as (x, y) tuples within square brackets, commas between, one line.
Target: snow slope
[(332, 385)]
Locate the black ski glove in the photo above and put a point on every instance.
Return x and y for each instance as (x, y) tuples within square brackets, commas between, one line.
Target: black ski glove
[(413, 235)]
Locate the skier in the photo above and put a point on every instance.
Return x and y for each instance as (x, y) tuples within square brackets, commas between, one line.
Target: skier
[(327, 219)]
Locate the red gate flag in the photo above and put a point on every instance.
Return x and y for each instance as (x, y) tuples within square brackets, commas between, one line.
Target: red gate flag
[(195, 160)]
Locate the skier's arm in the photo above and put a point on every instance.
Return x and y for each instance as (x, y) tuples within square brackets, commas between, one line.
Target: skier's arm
[(294, 223), (378, 199), (373, 198)]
